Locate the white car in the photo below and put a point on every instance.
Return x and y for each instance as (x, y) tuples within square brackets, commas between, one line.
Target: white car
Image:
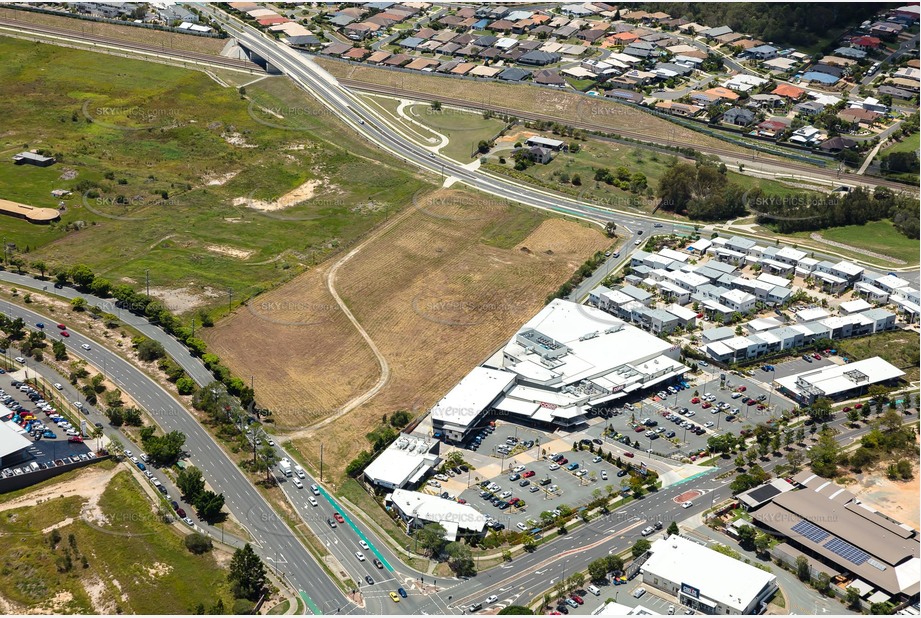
[(20, 360), (363, 545), (517, 469), (708, 424), (58, 386), (360, 556), (297, 483), (441, 477), (687, 505), (85, 346), (492, 598), (189, 521), (312, 501), (78, 405), (521, 526), (596, 459), (433, 484), (554, 466)]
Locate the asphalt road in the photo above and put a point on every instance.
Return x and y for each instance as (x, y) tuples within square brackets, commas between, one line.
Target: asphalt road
[(276, 542)]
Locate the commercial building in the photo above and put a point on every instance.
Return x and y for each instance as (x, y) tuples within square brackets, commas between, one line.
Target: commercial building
[(32, 158), (404, 463), (848, 539), (565, 360), (838, 381), (13, 442), (706, 580), (418, 509)]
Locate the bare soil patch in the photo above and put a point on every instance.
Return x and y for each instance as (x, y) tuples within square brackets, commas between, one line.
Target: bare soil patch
[(897, 499)]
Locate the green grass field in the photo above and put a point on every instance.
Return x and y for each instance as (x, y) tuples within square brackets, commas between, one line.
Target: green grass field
[(134, 563), (464, 130), (901, 348), (908, 144), (132, 132), (878, 236)]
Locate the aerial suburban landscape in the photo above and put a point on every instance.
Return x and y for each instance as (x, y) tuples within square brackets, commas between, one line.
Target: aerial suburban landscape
[(393, 308)]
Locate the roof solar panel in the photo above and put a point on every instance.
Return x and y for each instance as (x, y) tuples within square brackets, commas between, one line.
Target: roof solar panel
[(847, 551), (810, 531)]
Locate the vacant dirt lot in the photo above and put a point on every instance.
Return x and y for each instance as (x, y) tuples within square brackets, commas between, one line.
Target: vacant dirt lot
[(437, 300), (530, 99), (304, 355)]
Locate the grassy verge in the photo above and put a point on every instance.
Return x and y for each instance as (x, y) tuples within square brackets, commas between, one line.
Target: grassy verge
[(464, 130), (878, 236), (281, 608)]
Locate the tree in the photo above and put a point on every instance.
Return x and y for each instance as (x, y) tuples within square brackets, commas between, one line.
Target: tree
[(823, 456), (247, 574), (672, 529), (185, 385), (78, 304), (610, 228), (483, 146), (747, 536), (853, 415), (822, 582), (150, 349), (460, 559), (59, 350), (820, 410), (640, 547), (82, 275), (431, 537), (197, 543), (800, 433), (852, 597), (209, 504), (166, 449), (598, 569), (762, 544), (802, 568), (191, 483), (739, 460), (795, 459)]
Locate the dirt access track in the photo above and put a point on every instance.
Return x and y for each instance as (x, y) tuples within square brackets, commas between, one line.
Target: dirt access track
[(437, 290)]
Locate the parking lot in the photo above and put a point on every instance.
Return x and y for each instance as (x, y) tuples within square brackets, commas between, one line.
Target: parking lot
[(790, 367), (561, 486), (724, 388), (623, 595), (46, 449)]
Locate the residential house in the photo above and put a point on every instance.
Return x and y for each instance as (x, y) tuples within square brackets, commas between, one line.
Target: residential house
[(547, 77), (540, 58), (789, 92), (739, 116)]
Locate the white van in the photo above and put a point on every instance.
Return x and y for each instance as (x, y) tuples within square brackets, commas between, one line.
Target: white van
[(298, 484), (593, 590)]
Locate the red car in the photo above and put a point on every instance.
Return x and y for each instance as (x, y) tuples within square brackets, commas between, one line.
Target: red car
[(742, 389), (528, 474), (338, 518), (181, 512), (817, 356), (858, 406), (639, 428), (514, 501), (706, 405), (61, 326), (577, 599), (846, 409), (75, 439), (563, 461), (628, 454), (695, 400), (64, 333), (461, 501)]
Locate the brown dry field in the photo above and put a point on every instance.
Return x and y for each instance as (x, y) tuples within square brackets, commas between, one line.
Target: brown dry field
[(432, 295), (303, 353), (437, 301), (530, 99), (145, 36)]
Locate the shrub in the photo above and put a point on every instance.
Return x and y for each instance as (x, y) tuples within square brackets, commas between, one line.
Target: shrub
[(197, 543)]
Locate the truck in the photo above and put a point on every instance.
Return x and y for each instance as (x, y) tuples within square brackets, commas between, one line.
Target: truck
[(299, 471), (285, 466)]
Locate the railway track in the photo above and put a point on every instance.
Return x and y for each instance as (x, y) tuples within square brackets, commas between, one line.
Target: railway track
[(176, 54)]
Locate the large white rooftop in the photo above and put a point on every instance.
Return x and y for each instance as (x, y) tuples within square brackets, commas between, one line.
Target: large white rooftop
[(722, 579), (472, 395), (452, 515), (405, 458), (12, 439), (831, 380)]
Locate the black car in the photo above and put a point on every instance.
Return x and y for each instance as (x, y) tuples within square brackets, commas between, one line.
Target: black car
[(730, 417), (562, 608), (621, 473), (597, 441), (378, 563), (369, 579), (524, 483), (671, 434), (464, 468), (401, 592), (174, 504)]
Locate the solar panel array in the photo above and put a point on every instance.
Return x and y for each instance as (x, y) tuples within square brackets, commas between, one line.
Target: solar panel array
[(847, 551), (810, 531)]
